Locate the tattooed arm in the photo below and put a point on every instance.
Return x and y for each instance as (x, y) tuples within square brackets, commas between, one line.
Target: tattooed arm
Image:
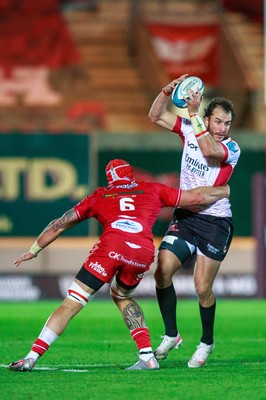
[(49, 234)]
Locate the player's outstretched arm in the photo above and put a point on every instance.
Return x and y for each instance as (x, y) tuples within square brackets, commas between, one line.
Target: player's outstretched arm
[(49, 234), (203, 195), (159, 112)]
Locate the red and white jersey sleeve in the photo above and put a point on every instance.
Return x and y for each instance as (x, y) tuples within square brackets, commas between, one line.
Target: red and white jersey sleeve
[(128, 211), (196, 170)]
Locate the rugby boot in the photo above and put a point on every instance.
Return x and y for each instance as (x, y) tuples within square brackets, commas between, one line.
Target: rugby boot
[(23, 365), (200, 356), (167, 344), (141, 364)]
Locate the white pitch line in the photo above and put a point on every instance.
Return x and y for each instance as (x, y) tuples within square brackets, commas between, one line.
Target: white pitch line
[(52, 369), (65, 369), (91, 368), (59, 369)]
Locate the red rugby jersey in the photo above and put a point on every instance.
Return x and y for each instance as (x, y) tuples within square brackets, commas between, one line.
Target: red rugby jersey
[(128, 211)]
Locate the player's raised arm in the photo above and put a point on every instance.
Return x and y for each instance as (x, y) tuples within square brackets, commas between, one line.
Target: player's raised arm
[(203, 195), (159, 112), (49, 234)]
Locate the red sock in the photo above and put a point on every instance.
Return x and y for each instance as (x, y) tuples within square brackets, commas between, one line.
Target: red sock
[(141, 337), (40, 347)]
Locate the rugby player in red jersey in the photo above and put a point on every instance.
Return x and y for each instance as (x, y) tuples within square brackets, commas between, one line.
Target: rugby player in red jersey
[(127, 211)]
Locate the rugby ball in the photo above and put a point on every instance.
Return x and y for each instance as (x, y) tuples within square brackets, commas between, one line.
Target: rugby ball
[(181, 90)]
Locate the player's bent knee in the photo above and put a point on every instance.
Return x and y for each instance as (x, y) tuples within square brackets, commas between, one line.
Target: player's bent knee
[(119, 293), (77, 294), (203, 292), (163, 279)]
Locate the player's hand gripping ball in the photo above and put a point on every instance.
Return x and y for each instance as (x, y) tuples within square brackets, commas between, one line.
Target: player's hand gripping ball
[(181, 90)]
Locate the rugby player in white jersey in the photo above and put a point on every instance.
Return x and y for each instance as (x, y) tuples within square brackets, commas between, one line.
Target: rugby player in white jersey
[(208, 159)]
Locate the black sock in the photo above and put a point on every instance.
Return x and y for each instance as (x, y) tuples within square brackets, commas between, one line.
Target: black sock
[(167, 303), (207, 315)]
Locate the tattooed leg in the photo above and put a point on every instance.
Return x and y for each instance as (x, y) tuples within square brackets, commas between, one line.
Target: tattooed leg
[(133, 316), (130, 310), (134, 320)]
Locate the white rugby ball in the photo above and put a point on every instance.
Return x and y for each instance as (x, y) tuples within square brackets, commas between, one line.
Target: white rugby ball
[(181, 90)]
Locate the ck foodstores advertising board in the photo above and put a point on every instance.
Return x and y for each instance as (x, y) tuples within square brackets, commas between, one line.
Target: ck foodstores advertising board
[(42, 176)]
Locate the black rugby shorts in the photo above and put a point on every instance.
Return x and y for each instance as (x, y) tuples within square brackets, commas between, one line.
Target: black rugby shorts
[(211, 235)]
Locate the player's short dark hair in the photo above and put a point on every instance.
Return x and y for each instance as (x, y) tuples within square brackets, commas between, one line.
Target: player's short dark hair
[(226, 104)]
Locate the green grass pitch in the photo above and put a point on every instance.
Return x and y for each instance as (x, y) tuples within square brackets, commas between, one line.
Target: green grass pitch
[(88, 360)]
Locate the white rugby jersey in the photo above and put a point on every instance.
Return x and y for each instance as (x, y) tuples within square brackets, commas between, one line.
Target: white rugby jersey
[(196, 170)]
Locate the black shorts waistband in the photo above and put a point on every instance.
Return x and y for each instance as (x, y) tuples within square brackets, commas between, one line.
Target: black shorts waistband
[(180, 213)]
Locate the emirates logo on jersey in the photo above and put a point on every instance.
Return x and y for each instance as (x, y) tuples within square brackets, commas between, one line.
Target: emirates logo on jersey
[(194, 162)]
